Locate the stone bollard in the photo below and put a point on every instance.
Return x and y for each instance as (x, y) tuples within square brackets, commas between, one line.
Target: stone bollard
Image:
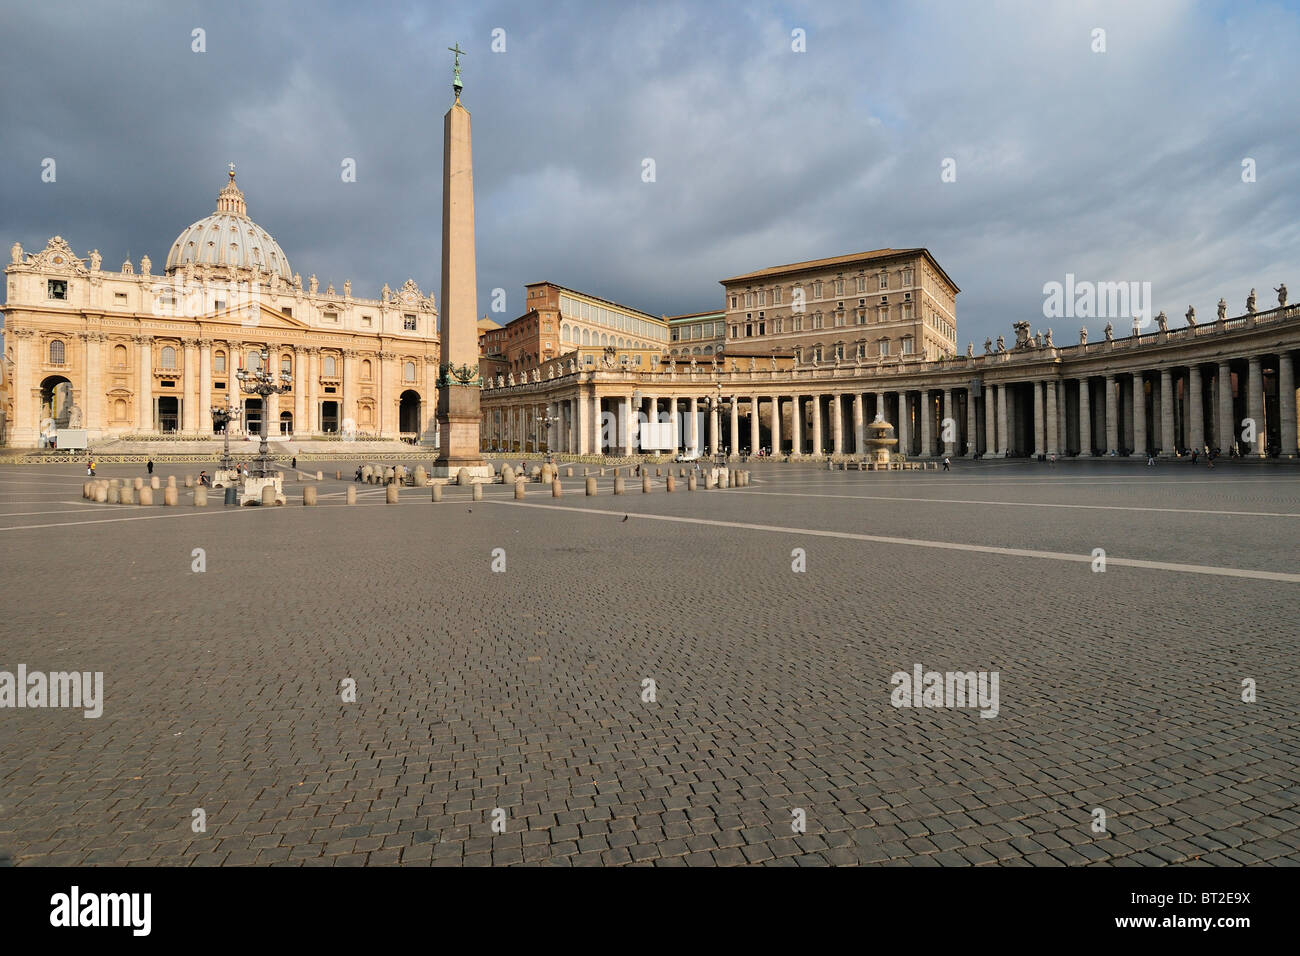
[(171, 481), (557, 490), (619, 487), (690, 482), (437, 494), (568, 472), (591, 487), (309, 495), (681, 473), (390, 495), (189, 481), (114, 495), (602, 472), (170, 496), (535, 473), (645, 485), (476, 492), (85, 489), (352, 494), (462, 477), (708, 481), (421, 476), (146, 496), (128, 495), (154, 482), (138, 484), (268, 494), (320, 476), (617, 472), (366, 472), (658, 472), (200, 497), (508, 475), (519, 489), (338, 476), (670, 484)]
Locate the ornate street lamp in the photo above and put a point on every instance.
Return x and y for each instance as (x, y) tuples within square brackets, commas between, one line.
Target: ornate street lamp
[(716, 403), (261, 381), (222, 416), (548, 422)]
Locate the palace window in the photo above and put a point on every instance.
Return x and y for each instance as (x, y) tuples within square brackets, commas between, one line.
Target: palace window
[(408, 372), (286, 364), (884, 346), (862, 350), (57, 289), (817, 321), (907, 346), (817, 289), (817, 353), (839, 350), (798, 323), (884, 280), (907, 277), (839, 287), (119, 356), (776, 296), (862, 283), (762, 297), (329, 366), (57, 352), (219, 362), (408, 323), (330, 316), (168, 357), (862, 316), (780, 325)]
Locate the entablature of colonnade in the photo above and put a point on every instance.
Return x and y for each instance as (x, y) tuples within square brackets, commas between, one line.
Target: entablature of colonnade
[(1260, 333)]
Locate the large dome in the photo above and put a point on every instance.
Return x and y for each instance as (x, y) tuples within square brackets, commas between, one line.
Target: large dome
[(229, 239)]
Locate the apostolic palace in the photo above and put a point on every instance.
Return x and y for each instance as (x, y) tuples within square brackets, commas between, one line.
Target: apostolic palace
[(795, 361)]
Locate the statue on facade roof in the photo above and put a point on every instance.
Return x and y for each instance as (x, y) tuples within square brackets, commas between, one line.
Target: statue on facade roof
[(1002, 344), (1083, 335), (988, 346), (297, 281), (1281, 295), (95, 260), (146, 264), (1191, 316), (16, 253), (347, 288), (1223, 309), (1109, 332), (314, 284), (385, 293), (1047, 341), (1038, 338), (1250, 302), (1162, 321)]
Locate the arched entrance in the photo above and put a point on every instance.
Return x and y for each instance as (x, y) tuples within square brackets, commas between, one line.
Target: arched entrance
[(253, 416), (408, 415), (286, 423), (56, 400)]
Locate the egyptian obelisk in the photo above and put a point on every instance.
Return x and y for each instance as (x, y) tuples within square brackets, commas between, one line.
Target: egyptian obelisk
[(458, 376)]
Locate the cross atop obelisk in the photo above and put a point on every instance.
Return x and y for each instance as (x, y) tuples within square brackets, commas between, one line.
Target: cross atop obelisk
[(458, 375)]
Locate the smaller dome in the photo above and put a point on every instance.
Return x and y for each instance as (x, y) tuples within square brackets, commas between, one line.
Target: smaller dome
[(229, 239)]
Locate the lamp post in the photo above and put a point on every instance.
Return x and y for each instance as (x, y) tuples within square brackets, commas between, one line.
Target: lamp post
[(222, 416), (261, 381), (719, 405), (548, 422)]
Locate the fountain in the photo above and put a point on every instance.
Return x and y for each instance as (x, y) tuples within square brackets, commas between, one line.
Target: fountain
[(880, 443)]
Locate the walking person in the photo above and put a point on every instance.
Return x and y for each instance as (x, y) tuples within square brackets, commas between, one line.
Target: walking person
[(947, 464), (295, 462), (149, 466)]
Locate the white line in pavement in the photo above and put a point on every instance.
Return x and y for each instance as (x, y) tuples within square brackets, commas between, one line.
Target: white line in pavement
[(1111, 561), (197, 513), (28, 514), (1027, 504)]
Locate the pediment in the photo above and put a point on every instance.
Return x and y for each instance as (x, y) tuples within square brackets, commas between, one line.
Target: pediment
[(263, 317)]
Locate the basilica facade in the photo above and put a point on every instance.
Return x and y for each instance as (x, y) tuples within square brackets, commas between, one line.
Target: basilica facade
[(131, 353)]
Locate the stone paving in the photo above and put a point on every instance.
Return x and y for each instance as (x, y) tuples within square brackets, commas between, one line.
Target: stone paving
[(522, 690)]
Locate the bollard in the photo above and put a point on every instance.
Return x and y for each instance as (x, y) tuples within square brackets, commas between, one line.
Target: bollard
[(309, 495), (508, 475), (320, 476), (231, 496), (670, 483), (645, 485), (602, 472), (591, 487), (690, 483), (681, 473), (617, 472), (708, 481), (127, 495), (568, 472), (171, 481), (352, 494), (390, 495), (189, 481), (586, 472), (476, 492), (658, 472), (101, 494), (437, 494), (154, 483), (338, 476), (170, 496), (200, 497), (146, 496), (557, 490), (268, 494), (139, 483), (618, 485), (85, 489), (519, 489)]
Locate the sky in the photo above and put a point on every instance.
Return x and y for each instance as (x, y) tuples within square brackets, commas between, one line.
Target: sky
[(996, 134)]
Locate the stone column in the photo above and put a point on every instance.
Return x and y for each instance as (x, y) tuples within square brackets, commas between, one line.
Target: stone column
[(1053, 433), (817, 425), (299, 390), (837, 428), (989, 398), (582, 423), (734, 437), (1226, 431), (93, 362), (1195, 410), (753, 424), (25, 429), (1112, 417), (1255, 406), (313, 390), (1040, 424), (776, 425), (205, 386), (674, 425), (859, 424), (949, 415), (1287, 403), (796, 427), (144, 394), (1139, 415), (927, 424), (715, 434), (1085, 419), (1167, 441), (904, 425), (1004, 435)]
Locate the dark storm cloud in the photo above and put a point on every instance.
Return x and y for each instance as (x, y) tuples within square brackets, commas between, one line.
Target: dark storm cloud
[(1124, 165)]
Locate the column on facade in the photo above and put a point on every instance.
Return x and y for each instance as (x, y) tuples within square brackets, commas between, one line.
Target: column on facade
[(1195, 410), (904, 425), (1139, 415), (582, 424), (1049, 404), (796, 427), (1225, 431), (715, 437), (948, 425), (1167, 442), (1287, 404), (734, 436), (205, 386), (189, 423), (753, 424), (299, 390), (927, 424), (837, 429), (348, 408), (989, 399), (1004, 435), (1255, 406), (1040, 422), (313, 390), (859, 423), (26, 427), (776, 424), (1112, 417), (144, 358), (626, 428), (816, 425), (1085, 419)]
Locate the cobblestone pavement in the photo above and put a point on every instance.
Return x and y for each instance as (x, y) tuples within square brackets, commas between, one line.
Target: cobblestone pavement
[(523, 690)]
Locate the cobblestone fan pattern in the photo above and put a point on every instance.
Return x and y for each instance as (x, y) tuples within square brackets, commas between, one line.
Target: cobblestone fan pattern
[(522, 690)]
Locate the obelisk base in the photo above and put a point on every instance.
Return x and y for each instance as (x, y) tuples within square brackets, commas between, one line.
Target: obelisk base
[(458, 420)]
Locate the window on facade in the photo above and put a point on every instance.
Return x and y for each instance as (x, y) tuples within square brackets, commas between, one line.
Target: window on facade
[(749, 329), (119, 356), (776, 296), (408, 372), (862, 350), (57, 352), (839, 319), (798, 323), (817, 354), (287, 310), (168, 357), (907, 277), (817, 289), (286, 364), (329, 366), (367, 321), (119, 298), (839, 286), (884, 346), (839, 351), (862, 283), (219, 362), (862, 316), (907, 346), (780, 325), (57, 289), (408, 323), (330, 316)]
